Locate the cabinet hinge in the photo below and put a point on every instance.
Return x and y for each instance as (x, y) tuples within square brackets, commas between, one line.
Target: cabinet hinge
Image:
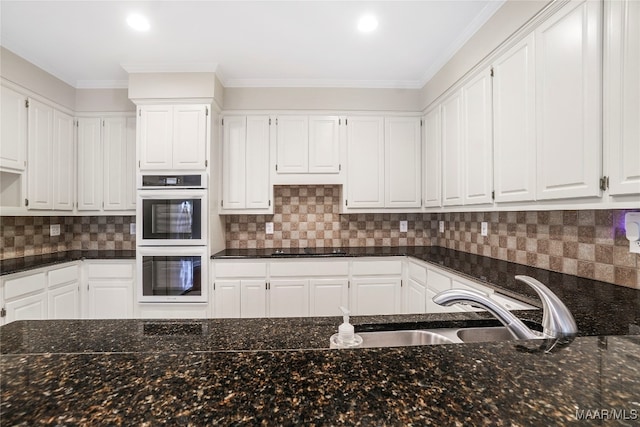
[(26, 202), (26, 103), (346, 202), (222, 122), (420, 122), (276, 167), (139, 113), (214, 286), (400, 282), (349, 284), (269, 121), (492, 73), (222, 203), (269, 202), (206, 163), (339, 167), (206, 111), (604, 183), (276, 122), (346, 122), (103, 123), (138, 163), (493, 195), (3, 312), (339, 122)]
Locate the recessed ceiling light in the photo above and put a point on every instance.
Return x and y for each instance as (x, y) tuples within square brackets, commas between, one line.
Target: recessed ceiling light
[(367, 23), (138, 22)]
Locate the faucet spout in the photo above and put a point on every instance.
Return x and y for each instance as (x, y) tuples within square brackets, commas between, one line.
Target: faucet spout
[(557, 320), (514, 325)]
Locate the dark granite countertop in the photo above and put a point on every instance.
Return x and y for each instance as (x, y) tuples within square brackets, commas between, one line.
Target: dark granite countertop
[(281, 372), (16, 265)]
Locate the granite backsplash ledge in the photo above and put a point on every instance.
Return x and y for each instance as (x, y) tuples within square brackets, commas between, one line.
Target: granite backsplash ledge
[(30, 235)]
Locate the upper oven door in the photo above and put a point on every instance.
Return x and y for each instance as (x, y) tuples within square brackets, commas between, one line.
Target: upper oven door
[(172, 217)]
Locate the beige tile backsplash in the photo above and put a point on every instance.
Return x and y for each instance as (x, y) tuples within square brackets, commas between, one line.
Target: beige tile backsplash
[(587, 243)]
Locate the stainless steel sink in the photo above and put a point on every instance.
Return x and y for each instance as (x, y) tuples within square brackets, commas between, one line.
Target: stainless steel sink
[(484, 334), (402, 338), (412, 337)]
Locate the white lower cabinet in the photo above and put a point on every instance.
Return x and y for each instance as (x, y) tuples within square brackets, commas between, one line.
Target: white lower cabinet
[(25, 296), (289, 298), (110, 289), (253, 298), (374, 296), (239, 289), (226, 298), (64, 292), (326, 296), (33, 307)]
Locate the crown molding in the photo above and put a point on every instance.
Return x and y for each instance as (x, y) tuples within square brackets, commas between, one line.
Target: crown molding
[(322, 83), (102, 84), (168, 67)]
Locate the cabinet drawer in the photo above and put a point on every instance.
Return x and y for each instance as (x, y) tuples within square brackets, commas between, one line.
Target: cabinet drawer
[(63, 275), (14, 288), (309, 268), (108, 271), (240, 269), (368, 268), (417, 272)]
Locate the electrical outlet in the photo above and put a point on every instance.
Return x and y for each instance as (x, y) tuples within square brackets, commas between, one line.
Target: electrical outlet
[(441, 226), (484, 228), (403, 226), (54, 230), (132, 228), (268, 228)]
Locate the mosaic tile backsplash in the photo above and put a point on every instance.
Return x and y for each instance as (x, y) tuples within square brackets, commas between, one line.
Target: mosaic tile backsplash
[(30, 235), (586, 243)]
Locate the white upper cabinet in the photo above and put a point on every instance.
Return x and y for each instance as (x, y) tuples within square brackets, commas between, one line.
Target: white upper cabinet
[(189, 137), (13, 125), (452, 155), (514, 157), (569, 102), (292, 144), (478, 139), (622, 96), (89, 164), (402, 162), (307, 144), (64, 161), (324, 144), (365, 162), (40, 183), (432, 170), (245, 163), (173, 137), (119, 163)]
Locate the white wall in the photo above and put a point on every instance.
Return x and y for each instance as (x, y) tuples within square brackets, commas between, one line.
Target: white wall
[(341, 99), (172, 85), (21, 72), (103, 100), (511, 16)]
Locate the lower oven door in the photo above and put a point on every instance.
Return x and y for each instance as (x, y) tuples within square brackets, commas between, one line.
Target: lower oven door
[(172, 274)]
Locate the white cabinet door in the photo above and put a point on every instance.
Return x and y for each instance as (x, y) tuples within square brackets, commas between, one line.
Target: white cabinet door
[(253, 302), (116, 162), (257, 163), (365, 162), (89, 164), (41, 164), (478, 139), (130, 168), (514, 141), (156, 134), (326, 296), (110, 299), (432, 156), (64, 302), (373, 296), (402, 158), (289, 298), (569, 102), (324, 145), (33, 307), (292, 144), (622, 96), (416, 297), (189, 143), (234, 170), (452, 155), (226, 299), (64, 161), (13, 125)]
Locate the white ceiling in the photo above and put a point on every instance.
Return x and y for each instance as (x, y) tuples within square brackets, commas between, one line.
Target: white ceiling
[(248, 43)]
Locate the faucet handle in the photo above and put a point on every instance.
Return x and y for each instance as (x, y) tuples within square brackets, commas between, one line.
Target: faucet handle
[(556, 318)]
